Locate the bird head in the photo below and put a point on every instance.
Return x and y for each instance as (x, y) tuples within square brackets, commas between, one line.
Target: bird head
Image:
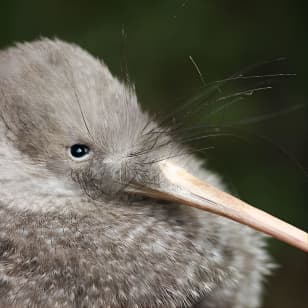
[(67, 114)]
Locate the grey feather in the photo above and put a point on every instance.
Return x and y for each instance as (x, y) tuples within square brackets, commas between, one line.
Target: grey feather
[(69, 235)]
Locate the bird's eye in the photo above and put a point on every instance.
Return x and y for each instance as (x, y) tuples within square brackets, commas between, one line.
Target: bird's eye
[(79, 152)]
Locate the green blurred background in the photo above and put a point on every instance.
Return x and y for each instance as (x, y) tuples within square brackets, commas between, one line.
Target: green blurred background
[(222, 37)]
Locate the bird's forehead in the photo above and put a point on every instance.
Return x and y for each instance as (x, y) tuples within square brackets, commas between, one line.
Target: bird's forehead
[(63, 84), (58, 74)]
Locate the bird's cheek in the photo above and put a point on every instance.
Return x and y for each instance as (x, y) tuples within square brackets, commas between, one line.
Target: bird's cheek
[(99, 182)]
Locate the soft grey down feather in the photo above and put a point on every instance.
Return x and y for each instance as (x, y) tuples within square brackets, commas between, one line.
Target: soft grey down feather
[(69, 235)]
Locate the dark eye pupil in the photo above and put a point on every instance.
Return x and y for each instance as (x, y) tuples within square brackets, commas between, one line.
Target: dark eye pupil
[(79, 150)]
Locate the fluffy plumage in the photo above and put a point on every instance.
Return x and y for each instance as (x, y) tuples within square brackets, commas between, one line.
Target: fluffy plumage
[(69, 235)]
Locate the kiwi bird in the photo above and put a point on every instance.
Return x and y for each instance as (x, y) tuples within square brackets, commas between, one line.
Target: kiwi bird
[(93, 198)]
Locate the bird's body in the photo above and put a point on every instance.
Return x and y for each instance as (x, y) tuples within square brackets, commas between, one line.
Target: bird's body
[(69, 234)]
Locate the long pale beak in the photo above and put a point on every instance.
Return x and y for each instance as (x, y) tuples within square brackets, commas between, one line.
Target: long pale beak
[(182, 187)]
